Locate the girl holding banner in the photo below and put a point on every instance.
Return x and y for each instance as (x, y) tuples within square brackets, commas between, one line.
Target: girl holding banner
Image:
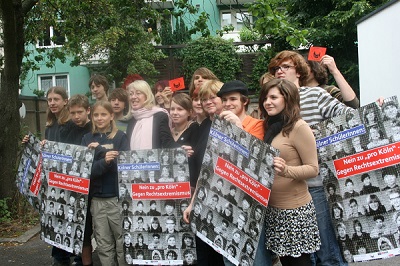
[(107, 141), (287, 132)]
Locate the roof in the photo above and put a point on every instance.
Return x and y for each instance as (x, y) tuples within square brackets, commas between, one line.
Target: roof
[(377, 11)]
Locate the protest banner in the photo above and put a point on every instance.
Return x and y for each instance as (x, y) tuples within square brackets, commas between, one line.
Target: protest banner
[(155, 184), (67, 171), (233, 190), (359, 155), (29, 177)]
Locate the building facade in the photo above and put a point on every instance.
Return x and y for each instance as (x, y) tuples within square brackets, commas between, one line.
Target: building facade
[(75, 79)]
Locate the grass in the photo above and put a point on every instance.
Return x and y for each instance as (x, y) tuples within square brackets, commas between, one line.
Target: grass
[(22, 217)]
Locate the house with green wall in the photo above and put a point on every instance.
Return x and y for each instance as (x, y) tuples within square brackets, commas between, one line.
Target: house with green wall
[(75, 79)]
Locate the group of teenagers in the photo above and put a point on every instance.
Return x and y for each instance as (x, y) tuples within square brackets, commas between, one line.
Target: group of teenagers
[(297, 229)]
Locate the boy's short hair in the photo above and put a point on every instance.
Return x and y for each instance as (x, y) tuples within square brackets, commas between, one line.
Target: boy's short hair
[(187, 252), (298, 60), (206, 171), (340, 225), (79, 100), (331, 185), (120, 94), (169, 203), (99, 80), (172, 218), (353, 201), (349, 181), (389, 171), (180, 151), (364, 176), (248, 198)]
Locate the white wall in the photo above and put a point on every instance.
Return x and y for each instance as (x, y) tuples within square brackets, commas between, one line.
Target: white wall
[(379, 54)]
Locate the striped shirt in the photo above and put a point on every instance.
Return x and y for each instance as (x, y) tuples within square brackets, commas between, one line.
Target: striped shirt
[(316, 105)]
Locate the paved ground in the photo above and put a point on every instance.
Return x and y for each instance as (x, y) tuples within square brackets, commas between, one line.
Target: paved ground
[(30, 250)]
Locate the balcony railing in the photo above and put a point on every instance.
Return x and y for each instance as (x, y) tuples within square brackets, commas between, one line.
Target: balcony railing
[(158, 4), (232, 2)]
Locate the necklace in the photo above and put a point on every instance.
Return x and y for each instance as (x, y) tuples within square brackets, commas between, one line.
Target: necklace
[(177, 132)]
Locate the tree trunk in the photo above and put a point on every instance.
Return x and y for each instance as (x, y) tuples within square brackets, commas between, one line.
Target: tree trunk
[(9, 103)]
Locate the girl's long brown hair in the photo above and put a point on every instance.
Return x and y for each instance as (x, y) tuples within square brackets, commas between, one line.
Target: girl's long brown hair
[(205, 73), (291, 112)]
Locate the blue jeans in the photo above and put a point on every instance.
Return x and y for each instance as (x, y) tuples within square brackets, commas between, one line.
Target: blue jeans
[(263, 256), (329, 253)]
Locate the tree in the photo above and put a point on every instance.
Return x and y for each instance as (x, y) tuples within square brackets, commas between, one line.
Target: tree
[(273, 23), (333, 24), (180, 35), (215, 53), (119, 31), (12, 16), (293, 24)]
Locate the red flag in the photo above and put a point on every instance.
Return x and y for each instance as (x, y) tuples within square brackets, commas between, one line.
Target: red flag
[(316, 53), (177, 84)]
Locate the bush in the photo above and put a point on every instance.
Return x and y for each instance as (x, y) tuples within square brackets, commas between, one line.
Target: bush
[(247, 35), (171, 37), (5, 213), (260, 67), (214, 53)]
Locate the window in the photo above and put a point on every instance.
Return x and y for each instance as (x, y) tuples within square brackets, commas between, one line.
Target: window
[(51, 38), (237, 18), (47, 81)]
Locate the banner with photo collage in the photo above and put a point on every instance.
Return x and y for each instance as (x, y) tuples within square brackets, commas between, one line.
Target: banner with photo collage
[(66, 169), (359, 156), (233, 190), (29, 179), (154, 191)]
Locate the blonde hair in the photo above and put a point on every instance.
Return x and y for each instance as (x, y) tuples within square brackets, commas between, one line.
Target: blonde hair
[(265, 78), (210, 87), (144, 87), (106, 105)]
